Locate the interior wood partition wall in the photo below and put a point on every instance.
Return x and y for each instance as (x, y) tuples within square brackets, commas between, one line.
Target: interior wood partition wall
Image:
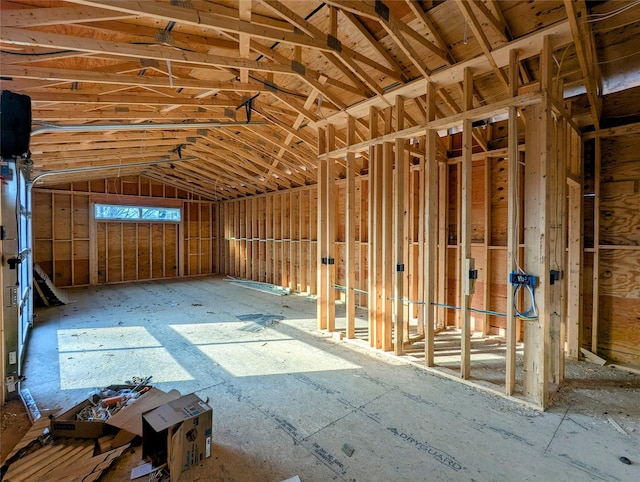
[(484, 229), (612, 246), (74, 249), (272, 238)]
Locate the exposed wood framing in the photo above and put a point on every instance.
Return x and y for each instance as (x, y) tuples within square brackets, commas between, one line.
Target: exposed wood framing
[(430, 224), (464, 279), (360, 175), (351, 235), (595, 313), (513, 223), (585, 49), (323, 223)]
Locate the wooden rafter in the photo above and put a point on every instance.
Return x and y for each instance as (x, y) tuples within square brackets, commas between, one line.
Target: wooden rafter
[(308, 75), (431, 28), (250, 158), (113, 144), (244, 8), (360, 27), (336, 55), (234, 163), (481, 37), (585, 50), (64, 75), (125, 99), (391, 24), (279, 165), (498, 24), (208, 20), (34, 17), (297, 132), (237, 170), (83, 44), (217, 167), (169, 177)]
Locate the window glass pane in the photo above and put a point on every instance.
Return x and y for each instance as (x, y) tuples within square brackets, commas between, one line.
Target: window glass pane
[(114, 211), (161, 214)]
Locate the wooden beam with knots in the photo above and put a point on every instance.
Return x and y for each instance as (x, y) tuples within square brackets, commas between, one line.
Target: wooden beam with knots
[(309, 76), (338, 54), (394, 28), (208, 20), (229, 162), (244, 7), (37, 17), (252, 157), (432, 29), (16, 36), (481, 37), (587, 56), (360, 27), (214, 160)]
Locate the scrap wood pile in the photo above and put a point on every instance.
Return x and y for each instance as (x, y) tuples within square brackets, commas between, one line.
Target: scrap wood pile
[(62, 460), (80, 443), (39, 456)]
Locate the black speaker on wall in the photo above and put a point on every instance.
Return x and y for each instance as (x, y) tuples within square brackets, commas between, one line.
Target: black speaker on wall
[(15, 124)]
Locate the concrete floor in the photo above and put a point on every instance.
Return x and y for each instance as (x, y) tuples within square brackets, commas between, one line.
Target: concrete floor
[(287, 397)]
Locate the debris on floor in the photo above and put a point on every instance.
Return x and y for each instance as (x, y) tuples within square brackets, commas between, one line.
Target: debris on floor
[(617, 426), (63, 460), (46, 293), (29, 404), (259, 286), (142, 470), (348, 450), (258, 321), (82, 442), (88, 419)]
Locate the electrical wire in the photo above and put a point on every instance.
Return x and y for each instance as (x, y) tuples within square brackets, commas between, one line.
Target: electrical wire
[(613, 27), (560, 63), (556, 214), (532, 312), (279, 89), (475, 310), (37, 54), (619, 58), (517, 220), (598, 17)]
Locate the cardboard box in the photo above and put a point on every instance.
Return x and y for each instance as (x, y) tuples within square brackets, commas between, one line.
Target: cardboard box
[(178, 433), (66, 425)]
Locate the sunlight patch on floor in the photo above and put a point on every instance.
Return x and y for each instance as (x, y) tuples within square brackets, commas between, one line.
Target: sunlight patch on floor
[(98, 357), (265, 353)]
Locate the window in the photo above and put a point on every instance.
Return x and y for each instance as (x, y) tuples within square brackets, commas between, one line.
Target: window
[(137, 213)]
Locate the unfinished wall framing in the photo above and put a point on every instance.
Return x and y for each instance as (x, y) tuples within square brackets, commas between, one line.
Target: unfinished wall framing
[(447, 155), (271, 238), (612, 246), (503, 210), (75, 249)]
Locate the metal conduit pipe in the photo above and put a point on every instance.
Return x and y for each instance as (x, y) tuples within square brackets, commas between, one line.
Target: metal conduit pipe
[(110, 166)]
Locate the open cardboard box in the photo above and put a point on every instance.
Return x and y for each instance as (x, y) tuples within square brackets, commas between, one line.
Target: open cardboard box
[(66, 425), (128, 419), (178, 434)]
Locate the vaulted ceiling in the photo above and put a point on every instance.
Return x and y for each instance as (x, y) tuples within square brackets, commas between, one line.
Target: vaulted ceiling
[(224, 98)]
